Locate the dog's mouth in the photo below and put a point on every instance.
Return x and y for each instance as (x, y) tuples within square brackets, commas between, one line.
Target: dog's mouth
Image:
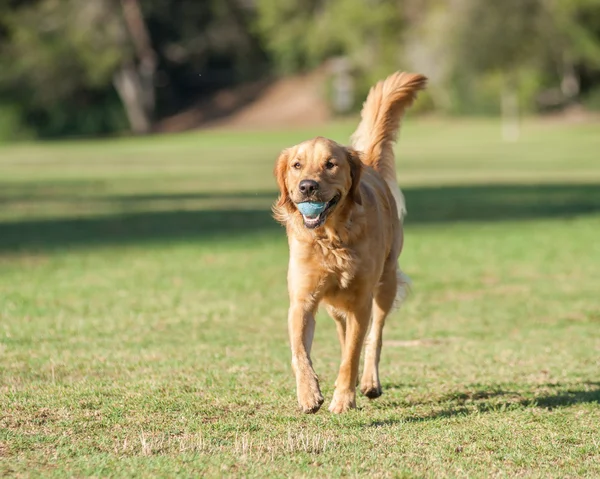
[(314, 219)]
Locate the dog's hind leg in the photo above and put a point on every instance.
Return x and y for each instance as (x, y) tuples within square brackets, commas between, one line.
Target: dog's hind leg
[(391, 291)]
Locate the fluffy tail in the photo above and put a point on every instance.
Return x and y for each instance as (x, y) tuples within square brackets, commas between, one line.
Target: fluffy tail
[(378, 129), (402, 288)]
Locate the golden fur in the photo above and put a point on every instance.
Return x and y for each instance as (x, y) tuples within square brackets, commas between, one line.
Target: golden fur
[(347, 258)]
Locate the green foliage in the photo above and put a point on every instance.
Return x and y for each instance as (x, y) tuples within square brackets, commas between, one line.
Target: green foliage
[(498, 36), (302, 35), (369, 36), (57, 46), (478, 94), (58, 58), (91, 114), (528, 46), (11, 126), (574, 31), (592, 100), (288, 44)]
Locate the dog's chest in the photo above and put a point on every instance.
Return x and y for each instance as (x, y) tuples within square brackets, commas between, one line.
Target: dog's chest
[(339, 265)]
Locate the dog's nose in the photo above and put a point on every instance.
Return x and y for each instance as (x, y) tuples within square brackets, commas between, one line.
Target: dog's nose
[(308, 187)]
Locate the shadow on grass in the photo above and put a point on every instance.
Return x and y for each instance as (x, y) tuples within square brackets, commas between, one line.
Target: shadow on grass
[(498, 400), (500, 202), (90, 191), (133, 228), (173, 222)]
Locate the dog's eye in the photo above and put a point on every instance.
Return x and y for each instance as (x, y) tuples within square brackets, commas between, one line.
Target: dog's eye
[(296, 165), (329, 165)]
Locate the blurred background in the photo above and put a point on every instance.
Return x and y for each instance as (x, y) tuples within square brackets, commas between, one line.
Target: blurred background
[(89, 68)]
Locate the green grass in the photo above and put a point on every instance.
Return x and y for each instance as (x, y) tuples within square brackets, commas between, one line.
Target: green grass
[(143, 312)]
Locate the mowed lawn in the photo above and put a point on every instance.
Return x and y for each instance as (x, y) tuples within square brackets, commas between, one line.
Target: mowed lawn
[(143, 311)]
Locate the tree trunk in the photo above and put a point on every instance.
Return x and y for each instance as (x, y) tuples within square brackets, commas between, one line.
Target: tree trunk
[(130, 88), (511, 128), (343, 84), (135, 83), (569, 85)]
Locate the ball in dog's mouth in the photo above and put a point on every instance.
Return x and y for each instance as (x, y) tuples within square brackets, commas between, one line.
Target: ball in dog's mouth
[(314, 213)]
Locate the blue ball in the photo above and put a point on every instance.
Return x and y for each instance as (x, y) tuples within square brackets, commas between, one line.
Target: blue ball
[(311, 209)]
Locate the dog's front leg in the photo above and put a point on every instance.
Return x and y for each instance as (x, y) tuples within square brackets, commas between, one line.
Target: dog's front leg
[(357, 324), (301, 323)]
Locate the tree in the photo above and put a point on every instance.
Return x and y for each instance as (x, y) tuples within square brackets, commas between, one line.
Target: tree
[(63, 62), (502, 38), (134, 79), (512, 37), (302, 34), (54, 50), (53, 46), (58, 46), (572, 34)]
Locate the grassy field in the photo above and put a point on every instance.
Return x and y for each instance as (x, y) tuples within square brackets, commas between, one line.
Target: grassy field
[(143, 311)]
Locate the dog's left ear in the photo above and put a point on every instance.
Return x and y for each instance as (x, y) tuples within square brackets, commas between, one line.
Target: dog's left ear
[(356, 167)]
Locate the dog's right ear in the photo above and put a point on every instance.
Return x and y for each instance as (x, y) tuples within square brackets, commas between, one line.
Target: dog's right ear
[(281, 166), (356, 168)]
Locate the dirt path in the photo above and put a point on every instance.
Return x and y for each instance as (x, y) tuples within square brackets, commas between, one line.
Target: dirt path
[(287, 102)]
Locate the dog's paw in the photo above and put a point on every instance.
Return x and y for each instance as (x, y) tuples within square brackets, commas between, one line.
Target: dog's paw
[(342, 401), (310, 398), (370, 388)]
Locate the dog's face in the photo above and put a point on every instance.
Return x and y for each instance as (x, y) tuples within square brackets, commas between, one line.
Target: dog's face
[(317, 171)]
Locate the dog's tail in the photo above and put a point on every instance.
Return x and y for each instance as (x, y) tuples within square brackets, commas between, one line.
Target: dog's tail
[(402, 288), (380, 120)]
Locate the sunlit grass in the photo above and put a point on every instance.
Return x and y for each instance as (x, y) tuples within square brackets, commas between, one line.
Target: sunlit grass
[(143, 312)]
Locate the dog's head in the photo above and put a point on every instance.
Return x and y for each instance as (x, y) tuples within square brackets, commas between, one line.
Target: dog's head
[(319, 173)]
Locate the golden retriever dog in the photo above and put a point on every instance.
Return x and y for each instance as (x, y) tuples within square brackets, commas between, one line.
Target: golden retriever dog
[(343, 209)]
